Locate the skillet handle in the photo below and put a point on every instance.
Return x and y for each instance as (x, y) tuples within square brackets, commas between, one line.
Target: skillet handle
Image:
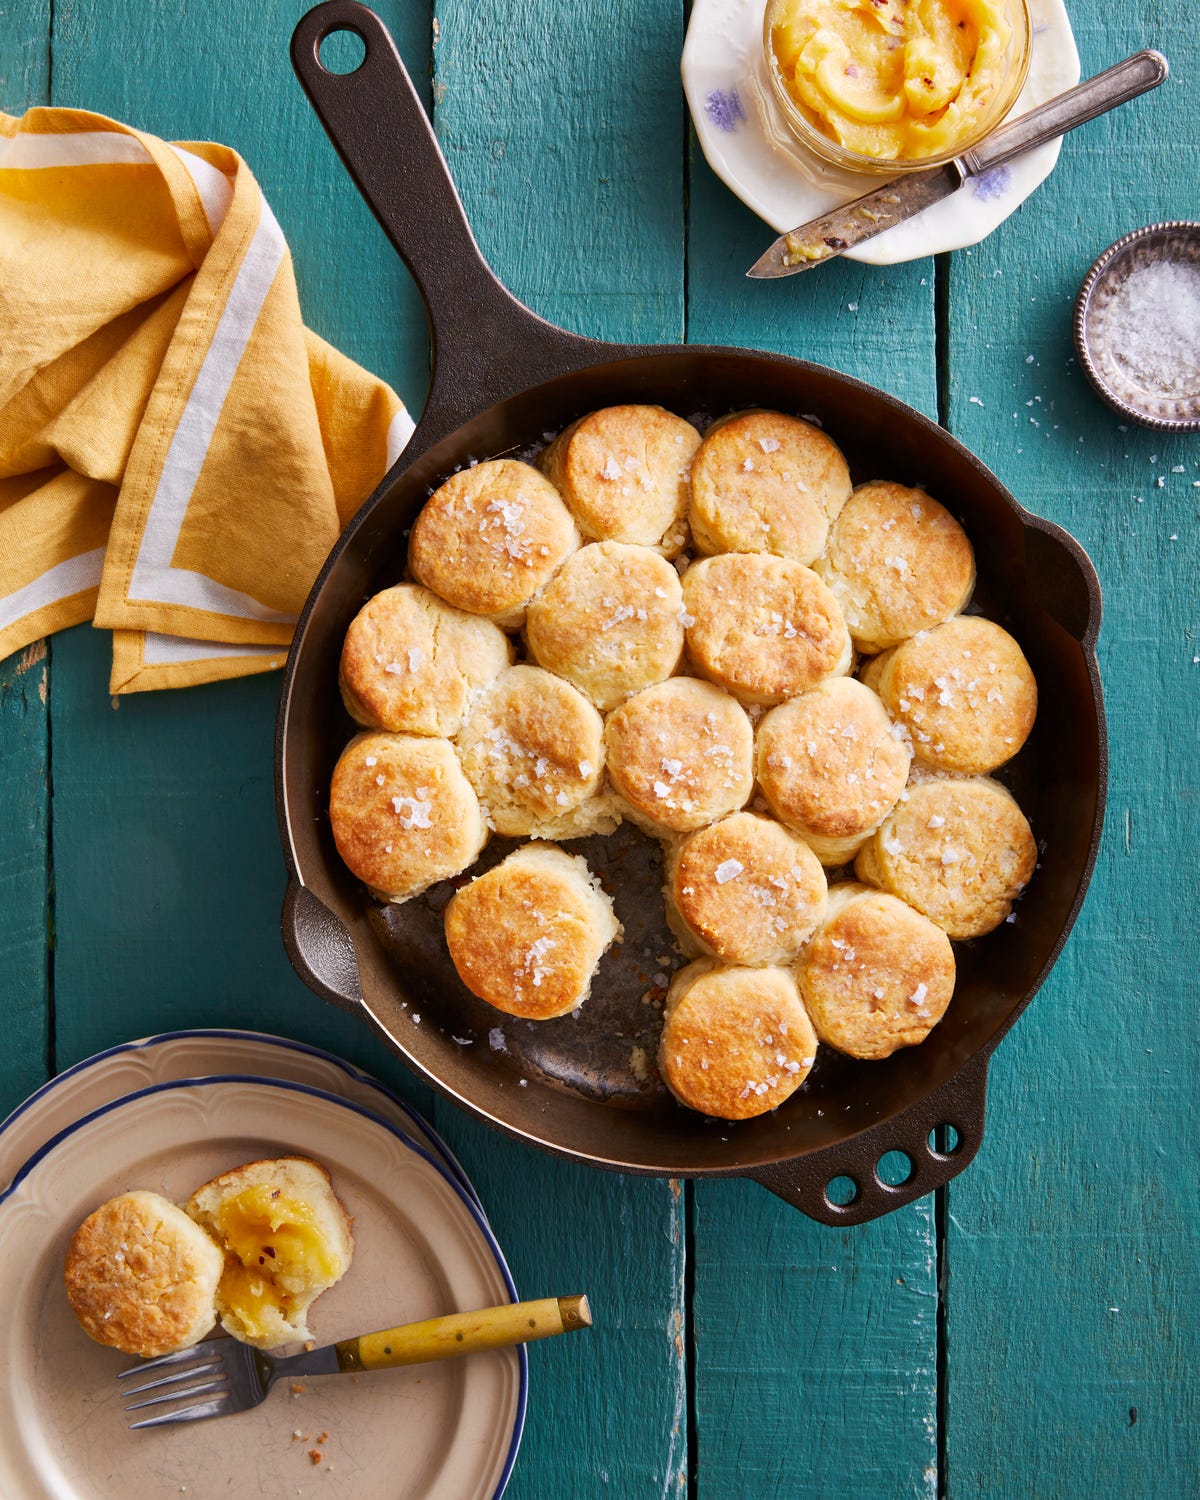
[(921, 1133), (1063, 580), (320, 948), (486, 344)]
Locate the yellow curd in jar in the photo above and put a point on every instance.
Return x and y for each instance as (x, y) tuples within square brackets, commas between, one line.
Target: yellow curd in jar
[(892, 79)]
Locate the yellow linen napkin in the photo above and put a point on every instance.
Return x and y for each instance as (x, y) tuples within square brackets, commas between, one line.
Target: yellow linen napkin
[(178, 453)]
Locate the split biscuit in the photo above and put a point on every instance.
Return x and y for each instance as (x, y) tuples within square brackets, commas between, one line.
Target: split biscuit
[(831, 765), (736, 1042), (765, 482), (403, 814), (764, 628), (532, 748), (490, 538), (745, 891), (958, 850), (877, 975), (610, 621), (964, 692), (527, 935), (141, 1277), (410, 663), (897, 562), (680, 755), (624, 473)]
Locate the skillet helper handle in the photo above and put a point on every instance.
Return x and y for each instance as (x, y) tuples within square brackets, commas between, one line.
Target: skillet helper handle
[(464, 1333), (320, 948), (1095, 96)]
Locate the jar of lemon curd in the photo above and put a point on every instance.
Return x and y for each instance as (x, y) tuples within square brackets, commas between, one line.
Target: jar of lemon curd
[(888, 86)]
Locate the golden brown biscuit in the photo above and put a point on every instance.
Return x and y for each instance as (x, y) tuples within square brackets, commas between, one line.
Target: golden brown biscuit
[(897, 562), (527, 935), (745, 890), (403, 814), (735, 1042), (624, 473), (142, 1277), (764, 628), (489, 538), (410, 663), (959, 850), (533, 749), (965, 693), (877, 975), (680, 754), (763, 482), (610, 621), (286, 1238), (831, 765)]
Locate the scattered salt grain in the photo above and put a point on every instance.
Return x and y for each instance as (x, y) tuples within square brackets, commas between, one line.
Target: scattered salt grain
[(918, 995), (728, 870)]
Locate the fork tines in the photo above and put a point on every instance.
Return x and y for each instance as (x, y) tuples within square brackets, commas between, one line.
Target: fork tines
[(172, 1373)]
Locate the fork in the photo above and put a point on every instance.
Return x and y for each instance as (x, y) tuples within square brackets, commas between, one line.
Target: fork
[(234, 1376)]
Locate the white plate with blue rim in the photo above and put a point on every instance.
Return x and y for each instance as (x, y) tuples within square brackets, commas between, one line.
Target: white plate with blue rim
[(446, 1431)]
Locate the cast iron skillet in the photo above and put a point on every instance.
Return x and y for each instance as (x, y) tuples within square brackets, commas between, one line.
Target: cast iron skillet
[(584, 1086)]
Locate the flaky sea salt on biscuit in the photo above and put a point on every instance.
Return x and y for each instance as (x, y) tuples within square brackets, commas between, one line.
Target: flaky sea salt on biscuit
[(403, 814), (624, 473), (959, 850), (745, 890), (527, 935), (411, 663), (898, 562), (489, 538), (764, 628), (611, 621), (736, 1042), (765, 482), (877, 975)]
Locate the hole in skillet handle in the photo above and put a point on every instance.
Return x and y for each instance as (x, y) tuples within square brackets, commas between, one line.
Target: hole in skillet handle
[(342, 50)]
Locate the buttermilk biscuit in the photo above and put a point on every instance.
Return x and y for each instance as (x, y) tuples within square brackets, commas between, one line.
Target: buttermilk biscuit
[(403, 814), (142, 1277), (831, 765), (959, 850), (763, 627), (877, 975), (680, 755), (735, 1042), (411, 663), (745, 890), (610, 621), (763, 482), (624, 473), (286, 1238), (897, 562), (527, 935), (533, 749), (964, 691), (489, 538)]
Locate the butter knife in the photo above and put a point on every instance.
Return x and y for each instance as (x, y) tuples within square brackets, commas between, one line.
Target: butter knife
[(843, 228)]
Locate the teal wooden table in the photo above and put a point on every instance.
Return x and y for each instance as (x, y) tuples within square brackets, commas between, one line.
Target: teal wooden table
[(1035, 1329)]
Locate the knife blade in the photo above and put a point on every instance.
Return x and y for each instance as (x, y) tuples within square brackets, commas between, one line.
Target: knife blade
[(862, 219)]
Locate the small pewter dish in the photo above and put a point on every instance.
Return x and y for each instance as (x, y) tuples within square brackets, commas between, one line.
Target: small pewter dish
[(1137, 326)]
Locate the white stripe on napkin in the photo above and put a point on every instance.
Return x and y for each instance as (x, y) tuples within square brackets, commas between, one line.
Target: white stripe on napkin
[(62, 581), (159, 650), (215, 189), (400, 429), (81, 148)]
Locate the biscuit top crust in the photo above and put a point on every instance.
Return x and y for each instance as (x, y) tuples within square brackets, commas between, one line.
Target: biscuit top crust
[(765, 482), (611, 621), (681, 753), (877, 975), (410, 662), (489, 538), (831, 762), (898, 563), (752, 892), (765, 628), (736, 1042), (624, 473), (403, 813), (964, 691)]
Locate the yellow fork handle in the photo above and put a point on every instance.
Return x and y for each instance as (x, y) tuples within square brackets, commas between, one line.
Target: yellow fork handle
[(464, 1333)]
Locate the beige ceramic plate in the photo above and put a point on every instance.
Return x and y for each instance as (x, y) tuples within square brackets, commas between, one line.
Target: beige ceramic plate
[(431, 1432)]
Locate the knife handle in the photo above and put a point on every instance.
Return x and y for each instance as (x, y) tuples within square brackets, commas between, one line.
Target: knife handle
[(464, 1333), (1095, 96)]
